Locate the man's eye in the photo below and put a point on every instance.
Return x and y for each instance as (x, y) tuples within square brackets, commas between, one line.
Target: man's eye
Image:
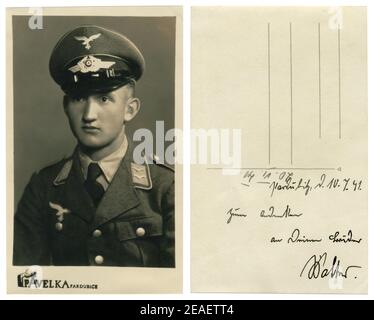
[(104, 98), (78, 99)]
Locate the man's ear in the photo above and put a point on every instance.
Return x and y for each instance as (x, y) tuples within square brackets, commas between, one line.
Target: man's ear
[(131, 109)]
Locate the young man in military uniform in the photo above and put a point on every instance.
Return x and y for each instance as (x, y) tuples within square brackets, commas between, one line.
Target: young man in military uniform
[(98, 207)]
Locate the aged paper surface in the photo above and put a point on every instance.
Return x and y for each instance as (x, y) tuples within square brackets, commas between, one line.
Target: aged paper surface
[(90, 279), (292, 215)]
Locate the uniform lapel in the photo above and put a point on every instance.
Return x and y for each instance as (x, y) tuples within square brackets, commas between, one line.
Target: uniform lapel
[(120, 195), (77, 199)]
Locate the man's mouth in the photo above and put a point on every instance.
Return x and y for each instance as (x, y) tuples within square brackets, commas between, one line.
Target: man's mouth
[(90, 128)]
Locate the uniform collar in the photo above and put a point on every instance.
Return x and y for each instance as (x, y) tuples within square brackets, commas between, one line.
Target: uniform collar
[(120, 197), (141, 176), (109, 165)]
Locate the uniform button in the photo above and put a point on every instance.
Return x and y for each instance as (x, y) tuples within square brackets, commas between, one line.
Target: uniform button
[(97, 233), (99, 259), (59, 226), (140, 232)]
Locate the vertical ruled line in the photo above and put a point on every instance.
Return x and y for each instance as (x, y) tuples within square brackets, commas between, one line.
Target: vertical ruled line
[(319, 80), (269, 95), (340, 96), (291, 94)]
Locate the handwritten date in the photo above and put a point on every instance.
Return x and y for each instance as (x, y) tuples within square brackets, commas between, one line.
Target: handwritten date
[(282, 181)]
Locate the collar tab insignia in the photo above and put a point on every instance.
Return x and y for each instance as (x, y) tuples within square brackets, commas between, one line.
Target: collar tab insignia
[(64, 173), (141, 176)]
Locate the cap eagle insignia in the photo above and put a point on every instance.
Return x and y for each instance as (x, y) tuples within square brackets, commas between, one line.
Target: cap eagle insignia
[(86, 41)]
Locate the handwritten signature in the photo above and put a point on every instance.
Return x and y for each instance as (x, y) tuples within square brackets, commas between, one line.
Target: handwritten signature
[(315, 268)]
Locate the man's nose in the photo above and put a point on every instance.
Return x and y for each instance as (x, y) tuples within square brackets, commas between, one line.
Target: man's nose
[(90, 110)]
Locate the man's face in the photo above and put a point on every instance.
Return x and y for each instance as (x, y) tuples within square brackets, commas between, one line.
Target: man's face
[(97, 120)]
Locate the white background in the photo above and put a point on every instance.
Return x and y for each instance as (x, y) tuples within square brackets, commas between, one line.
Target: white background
[(186, 124)]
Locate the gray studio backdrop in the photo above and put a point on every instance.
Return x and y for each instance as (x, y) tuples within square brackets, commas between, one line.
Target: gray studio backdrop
[(41, 132)]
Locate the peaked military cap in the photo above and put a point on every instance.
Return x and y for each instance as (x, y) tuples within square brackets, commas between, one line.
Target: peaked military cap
[(94, 59)]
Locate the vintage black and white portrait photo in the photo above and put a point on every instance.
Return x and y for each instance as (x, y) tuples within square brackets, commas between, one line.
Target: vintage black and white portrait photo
[(92, 98)]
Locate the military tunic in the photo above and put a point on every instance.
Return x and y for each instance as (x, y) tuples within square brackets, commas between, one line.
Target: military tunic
[(56, 222)]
